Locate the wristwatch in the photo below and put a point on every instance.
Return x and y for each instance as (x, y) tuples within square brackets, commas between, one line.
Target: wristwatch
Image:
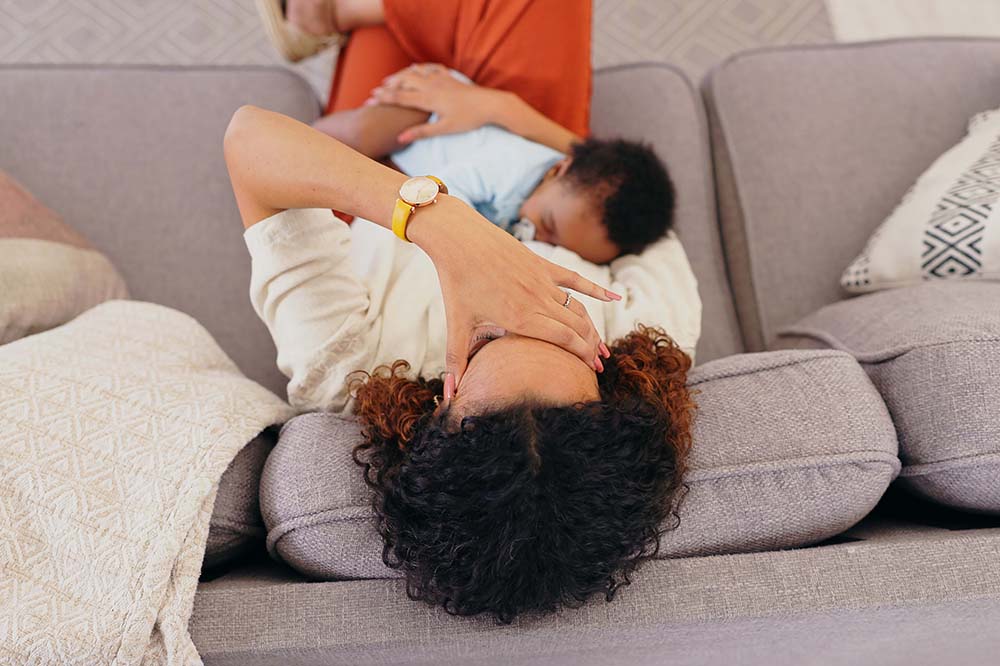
[(414, 193)]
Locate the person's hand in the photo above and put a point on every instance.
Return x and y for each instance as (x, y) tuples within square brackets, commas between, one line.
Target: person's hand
[(429, 87), (491, 281)]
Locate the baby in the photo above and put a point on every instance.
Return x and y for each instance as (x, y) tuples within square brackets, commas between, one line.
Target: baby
[(608, 197)]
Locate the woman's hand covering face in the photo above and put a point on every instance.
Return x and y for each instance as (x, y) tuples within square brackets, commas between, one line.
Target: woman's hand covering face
[(491, 281), (429, 87)]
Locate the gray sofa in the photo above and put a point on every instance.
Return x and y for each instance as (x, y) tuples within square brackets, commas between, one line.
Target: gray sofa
[(785, 162)]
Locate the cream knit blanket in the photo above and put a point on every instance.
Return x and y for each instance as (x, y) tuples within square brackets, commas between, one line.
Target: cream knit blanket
[(114, 431)]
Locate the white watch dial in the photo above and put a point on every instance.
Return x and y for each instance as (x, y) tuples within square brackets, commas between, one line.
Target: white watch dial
[(418, 190)]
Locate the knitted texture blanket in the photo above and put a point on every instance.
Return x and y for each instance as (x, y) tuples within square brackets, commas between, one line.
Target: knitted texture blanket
[(115, 429)]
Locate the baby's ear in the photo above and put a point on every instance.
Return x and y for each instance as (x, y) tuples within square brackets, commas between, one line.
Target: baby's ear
[(563, 165)]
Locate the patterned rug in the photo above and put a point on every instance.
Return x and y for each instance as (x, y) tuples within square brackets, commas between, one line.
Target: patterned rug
[(693, 34)]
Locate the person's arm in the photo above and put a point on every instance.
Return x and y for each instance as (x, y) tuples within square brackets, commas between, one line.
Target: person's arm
[(517, 116), (371, 130), (276, 163), (462, 105)]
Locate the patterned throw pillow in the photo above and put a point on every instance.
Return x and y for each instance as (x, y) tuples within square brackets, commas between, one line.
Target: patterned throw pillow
[(49, 273), (947, 226)]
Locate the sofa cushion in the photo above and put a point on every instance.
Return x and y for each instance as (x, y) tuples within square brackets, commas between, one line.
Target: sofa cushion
[(815, 145), (790, 448), (236, 525), (49, 273), (933, 351), (941, 229)]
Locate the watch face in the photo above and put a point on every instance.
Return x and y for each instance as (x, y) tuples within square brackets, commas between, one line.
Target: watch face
[(418, 190)]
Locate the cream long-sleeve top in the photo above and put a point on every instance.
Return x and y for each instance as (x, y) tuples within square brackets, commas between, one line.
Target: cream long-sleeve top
[(338, 298)]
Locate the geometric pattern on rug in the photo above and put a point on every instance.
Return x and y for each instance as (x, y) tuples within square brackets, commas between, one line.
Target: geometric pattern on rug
[(692, 34)]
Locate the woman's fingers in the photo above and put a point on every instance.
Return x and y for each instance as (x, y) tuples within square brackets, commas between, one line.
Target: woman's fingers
[(573, 280), (562, 335), (459, 331), (576, 317)]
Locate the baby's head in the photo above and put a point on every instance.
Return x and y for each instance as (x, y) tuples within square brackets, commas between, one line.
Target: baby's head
[(608, 197)]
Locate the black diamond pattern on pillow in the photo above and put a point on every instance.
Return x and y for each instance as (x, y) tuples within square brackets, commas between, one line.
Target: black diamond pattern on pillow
[(953, 237)]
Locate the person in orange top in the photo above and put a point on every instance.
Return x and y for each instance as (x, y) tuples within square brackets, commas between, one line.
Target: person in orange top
[(537, 50), (616, 197)]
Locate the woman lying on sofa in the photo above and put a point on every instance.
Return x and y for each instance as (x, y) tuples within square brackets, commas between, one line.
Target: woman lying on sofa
[(542, 467)]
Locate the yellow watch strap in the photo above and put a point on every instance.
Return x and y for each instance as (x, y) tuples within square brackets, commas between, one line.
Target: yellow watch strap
[(441, 185), (400, 216)]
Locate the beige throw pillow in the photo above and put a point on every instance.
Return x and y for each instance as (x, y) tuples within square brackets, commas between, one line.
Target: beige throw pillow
[(49, 273)]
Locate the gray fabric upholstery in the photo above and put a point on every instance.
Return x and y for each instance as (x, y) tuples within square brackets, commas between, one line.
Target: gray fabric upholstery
[(891, 600), (236, 524), (133, 157), (790, 448), (813, 148), (933, 351), (904, 636), (654, 102)]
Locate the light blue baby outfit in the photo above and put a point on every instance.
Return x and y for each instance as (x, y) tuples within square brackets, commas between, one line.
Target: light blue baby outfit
[(489, 168)]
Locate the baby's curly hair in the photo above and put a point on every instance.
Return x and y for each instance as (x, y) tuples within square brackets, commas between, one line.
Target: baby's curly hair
[(633, 184), (529, 507)]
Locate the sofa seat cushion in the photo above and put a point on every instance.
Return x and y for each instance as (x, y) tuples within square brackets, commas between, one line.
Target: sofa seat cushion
[(236, 525), (933, 352), (790, 448)]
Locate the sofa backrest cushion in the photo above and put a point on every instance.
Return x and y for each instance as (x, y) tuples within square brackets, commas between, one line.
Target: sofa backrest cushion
[(133, 156), (656, 103), (815, 145)]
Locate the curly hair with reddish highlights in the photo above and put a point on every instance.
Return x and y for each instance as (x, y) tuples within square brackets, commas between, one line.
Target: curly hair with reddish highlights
[(529, 507)]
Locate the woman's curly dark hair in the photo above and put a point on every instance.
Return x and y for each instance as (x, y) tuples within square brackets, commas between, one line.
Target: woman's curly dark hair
[(530, 507)]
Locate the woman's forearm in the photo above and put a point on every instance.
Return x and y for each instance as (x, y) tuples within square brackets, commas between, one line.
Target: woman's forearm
[(276, 162), (519, 117)]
